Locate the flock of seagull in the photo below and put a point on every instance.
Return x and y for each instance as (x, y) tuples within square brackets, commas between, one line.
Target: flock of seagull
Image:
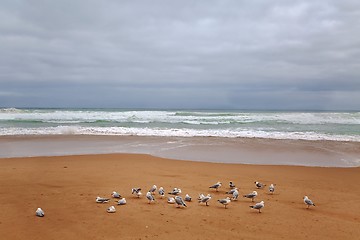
[(175, 197)]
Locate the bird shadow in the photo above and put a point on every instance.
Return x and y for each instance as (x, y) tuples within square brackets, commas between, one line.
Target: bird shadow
[(272, 194), (254, 212), (307, 209), (181, 208)]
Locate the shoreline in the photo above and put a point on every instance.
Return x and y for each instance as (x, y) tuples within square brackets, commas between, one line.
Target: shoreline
[(65, 187), (205, 149)]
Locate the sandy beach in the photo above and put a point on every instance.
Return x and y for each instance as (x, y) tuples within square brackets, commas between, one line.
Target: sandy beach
[(106, 96), (65, 187)]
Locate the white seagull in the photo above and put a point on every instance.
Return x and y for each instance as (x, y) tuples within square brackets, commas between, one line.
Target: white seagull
[(308, 202), (111, 209), (150, 197), (180, 202), (216, 186), (272, 188), (136, 191), (116, 195), (235, 195), (224, 201), (102, 200), (232, 191), (205, 199), (39, 212), (122, 201), (187, 198), (231, 184), (175, 191), (171, 200), (251, 195), (153, 189), (161, 192), (201, 196), (258, 206), (259, 185)]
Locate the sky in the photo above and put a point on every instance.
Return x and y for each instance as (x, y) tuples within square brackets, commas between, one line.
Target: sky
[(258, 54)]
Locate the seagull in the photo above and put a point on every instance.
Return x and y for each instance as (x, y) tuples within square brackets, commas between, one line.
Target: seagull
[(232, 191), (161, 192), (180, 202), (102, 200), (122, 201), (251, 195), (116, 195), (136, 191), (111, 209), (201, 196), (175, 191), (171, 200), (272, 188), (258, 206), (187, 198), (259, 185), (224, 201), (205, 199), (216, 185), (235, 195), (150, 197), (231, 184), (39, 212), (153, 189), (308, 202)]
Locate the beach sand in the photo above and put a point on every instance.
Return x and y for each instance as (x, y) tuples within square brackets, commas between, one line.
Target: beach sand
[(65, 187)]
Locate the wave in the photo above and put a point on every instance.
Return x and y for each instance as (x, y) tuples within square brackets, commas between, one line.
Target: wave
[(12, 110), (205, 114), (187, 117), (124, 131), (21, 121), (285, 125)]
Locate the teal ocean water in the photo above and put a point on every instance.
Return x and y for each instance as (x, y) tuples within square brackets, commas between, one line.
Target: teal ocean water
[(306, 125)]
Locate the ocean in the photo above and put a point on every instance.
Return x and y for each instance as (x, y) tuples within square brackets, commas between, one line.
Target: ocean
[(304, 125)]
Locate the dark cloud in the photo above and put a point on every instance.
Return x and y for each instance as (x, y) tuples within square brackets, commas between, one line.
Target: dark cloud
[(199, 54)]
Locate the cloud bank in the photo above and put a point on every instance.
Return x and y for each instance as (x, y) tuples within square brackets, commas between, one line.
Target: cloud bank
[(180, 54)]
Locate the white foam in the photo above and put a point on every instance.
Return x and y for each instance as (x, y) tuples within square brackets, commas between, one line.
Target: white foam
[(74, 116), (226, 133), (10, 110)]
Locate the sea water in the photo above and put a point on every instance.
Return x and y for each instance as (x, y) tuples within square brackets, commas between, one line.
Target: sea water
[(304, 125)]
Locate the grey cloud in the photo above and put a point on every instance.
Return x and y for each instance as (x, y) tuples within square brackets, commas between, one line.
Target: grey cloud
[(178, 53)]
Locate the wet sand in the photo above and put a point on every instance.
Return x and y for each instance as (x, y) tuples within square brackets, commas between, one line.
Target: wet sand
[(65, 187), (209, 149)]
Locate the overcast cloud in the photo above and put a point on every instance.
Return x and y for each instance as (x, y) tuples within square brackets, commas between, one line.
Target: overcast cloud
[(180, 54)]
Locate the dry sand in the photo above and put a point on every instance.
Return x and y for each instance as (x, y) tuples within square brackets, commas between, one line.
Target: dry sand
[(66, 188)]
